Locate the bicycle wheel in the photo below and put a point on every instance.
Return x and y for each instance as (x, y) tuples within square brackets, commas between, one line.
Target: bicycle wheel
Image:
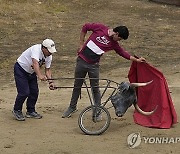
[(94, 120)]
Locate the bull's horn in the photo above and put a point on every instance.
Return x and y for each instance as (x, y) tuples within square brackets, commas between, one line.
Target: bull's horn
[(143, 112), (140, 84)]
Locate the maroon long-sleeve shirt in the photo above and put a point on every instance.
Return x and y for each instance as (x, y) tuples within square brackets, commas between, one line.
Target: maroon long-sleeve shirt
[(98, 43)]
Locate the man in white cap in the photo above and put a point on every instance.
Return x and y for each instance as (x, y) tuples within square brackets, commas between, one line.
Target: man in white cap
[(26, 72)]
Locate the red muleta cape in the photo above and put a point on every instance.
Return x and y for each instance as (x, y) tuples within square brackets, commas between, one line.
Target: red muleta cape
[(156, 93)]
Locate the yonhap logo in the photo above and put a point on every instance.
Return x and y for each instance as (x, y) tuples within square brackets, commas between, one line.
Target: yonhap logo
[(135, 139), (161, 140)]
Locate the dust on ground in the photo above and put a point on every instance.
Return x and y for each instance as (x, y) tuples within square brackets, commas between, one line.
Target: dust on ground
[(154, 34)]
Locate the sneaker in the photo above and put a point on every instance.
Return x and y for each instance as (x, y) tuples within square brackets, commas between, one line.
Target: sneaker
[(69, 112), (18, 115), (34, 115)]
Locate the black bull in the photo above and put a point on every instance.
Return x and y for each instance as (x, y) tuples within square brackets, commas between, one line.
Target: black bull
[(126, 96)]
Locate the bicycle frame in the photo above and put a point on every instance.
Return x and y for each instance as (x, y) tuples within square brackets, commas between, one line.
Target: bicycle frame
[(91, 98), (91, 115)]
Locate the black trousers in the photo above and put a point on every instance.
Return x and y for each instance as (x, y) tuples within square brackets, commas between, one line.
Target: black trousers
[(27, 88), (82, 69)]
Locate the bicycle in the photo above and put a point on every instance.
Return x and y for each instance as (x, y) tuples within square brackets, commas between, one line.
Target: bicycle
[(95, 120)]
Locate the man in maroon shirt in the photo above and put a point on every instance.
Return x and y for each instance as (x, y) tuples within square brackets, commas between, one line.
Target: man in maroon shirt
[(102, 39)]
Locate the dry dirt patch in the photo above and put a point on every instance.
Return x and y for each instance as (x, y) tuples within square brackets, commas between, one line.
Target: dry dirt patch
[(154, 34)]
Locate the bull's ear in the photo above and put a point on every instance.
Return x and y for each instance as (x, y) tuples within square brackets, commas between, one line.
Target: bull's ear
[(124, 86)]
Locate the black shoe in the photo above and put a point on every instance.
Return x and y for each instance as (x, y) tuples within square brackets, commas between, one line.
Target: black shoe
[(34, 115), (69, 112), (18, 115)]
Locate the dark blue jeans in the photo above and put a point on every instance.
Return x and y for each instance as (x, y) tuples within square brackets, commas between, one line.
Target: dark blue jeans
[(27, 88), (83, 68)]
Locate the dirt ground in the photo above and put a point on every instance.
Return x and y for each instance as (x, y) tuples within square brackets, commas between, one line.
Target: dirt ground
[(154, 34)]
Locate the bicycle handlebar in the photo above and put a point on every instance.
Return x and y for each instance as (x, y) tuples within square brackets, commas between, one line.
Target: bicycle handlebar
[(108, 80)]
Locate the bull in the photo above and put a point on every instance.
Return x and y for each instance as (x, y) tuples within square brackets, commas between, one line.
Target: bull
[(126, 96)]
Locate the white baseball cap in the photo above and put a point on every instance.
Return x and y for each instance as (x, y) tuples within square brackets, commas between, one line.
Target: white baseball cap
[(50, 45)]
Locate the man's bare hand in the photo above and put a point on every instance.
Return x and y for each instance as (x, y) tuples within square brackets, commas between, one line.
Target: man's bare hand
[(42, 77), (141, 59)]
